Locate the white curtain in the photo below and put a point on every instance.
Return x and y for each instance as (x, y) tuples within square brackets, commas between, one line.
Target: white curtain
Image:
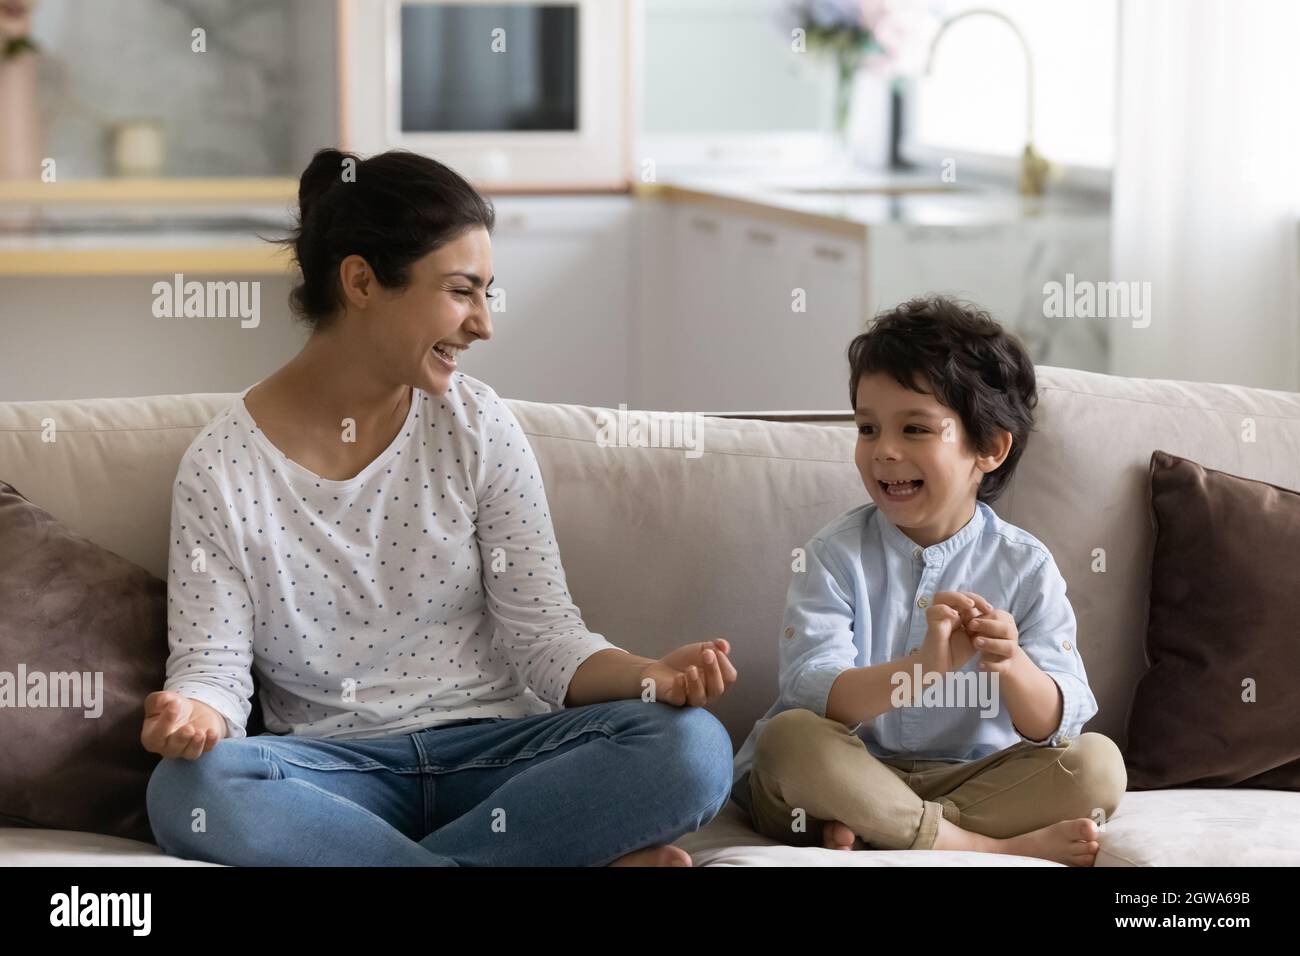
[(1207, 190)]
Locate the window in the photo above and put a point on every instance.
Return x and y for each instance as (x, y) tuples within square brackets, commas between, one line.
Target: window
[(972, 104)]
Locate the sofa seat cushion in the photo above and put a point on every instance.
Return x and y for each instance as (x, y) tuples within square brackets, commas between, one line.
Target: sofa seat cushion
[(728, 840), (29, 846), (1183, 827), (1197, 826)]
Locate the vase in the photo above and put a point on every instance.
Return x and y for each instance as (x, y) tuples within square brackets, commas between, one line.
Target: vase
[(20, 121), (896, 160), (846, 71)]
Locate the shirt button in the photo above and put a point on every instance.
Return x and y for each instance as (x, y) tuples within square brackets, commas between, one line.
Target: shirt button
[(916, 553), (789, 632), (1065, 645), (922, 601)]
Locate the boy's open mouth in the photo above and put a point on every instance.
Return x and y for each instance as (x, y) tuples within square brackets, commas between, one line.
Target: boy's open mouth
[(901, 489)]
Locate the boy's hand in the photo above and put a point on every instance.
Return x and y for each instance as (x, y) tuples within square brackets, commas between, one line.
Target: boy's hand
[(946, 646), (967, 606), (694, 674), (176, 726), (997, 639)]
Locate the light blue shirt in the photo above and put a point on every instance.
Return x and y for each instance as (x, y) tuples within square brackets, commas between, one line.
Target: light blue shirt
[(861, 601)]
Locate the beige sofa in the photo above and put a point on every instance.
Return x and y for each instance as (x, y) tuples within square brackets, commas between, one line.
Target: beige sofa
[(662, 547)]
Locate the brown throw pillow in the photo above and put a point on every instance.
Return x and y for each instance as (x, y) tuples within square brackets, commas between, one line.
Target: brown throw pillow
[(1217, 706), (70, 607), (85, 629)]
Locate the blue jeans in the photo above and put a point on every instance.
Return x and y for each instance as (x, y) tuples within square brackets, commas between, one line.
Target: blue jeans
[(577, 787)]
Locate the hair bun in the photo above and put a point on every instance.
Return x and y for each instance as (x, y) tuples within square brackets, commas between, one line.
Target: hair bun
[(321, 174)]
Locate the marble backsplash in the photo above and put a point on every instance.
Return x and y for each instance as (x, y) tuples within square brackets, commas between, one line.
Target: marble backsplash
[(256, 102)]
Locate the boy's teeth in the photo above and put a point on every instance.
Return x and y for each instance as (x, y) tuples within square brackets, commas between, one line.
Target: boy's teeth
[(902, 489)]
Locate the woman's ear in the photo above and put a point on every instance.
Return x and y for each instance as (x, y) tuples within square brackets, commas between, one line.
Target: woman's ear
[(357, 281)]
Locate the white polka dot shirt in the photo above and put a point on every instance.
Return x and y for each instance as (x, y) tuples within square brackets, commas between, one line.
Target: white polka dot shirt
[(425, 589)]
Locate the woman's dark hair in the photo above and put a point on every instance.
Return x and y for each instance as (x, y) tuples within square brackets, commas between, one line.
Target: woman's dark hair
[(391, 209), (974, 366)]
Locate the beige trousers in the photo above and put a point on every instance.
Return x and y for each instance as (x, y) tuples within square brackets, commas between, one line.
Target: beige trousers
[(809, 770)]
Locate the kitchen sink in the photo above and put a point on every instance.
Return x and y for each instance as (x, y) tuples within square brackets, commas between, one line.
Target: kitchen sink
[(873, 189)]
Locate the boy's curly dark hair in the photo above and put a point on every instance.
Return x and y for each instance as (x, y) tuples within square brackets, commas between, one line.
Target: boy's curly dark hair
[(974, 366)]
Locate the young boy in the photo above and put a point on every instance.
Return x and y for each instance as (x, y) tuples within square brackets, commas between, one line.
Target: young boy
[(917, 602)]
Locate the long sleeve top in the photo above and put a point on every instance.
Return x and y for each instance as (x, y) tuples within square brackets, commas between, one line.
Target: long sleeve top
[(427, 588), (861, 601)]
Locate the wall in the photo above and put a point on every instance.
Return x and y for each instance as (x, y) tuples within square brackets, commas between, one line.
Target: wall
[(253, 104)]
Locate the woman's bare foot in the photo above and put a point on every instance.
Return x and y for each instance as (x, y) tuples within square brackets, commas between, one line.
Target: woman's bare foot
[(668, 855), (837, 836), (1072, 842)]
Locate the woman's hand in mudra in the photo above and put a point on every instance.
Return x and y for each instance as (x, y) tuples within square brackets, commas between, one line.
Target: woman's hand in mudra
[(177, 726), (694, 674)]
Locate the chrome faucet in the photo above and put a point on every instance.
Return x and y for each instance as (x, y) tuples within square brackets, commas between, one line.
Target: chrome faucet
[(1033, 167)]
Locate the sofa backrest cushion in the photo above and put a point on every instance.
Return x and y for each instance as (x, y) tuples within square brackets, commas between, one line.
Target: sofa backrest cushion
[(661, 548)]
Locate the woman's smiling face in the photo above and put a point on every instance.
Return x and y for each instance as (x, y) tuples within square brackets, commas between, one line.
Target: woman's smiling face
[(909, 441), (419, 332)]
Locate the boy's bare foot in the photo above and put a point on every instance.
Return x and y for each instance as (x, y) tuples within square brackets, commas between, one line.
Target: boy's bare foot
[(837, 836), (1072, 842), (668, 855)]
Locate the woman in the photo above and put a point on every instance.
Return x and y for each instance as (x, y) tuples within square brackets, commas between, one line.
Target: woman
[(367, 527)]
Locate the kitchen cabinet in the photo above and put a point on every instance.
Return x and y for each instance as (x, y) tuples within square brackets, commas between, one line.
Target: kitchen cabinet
[(725, 296), (726, 275), (564, 264), (1002, 267)]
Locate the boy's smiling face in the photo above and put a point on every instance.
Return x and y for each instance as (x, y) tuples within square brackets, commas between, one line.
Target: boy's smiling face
[(909, 437)]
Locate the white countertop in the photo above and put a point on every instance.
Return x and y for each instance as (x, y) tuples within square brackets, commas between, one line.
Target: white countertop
[(868, 199)]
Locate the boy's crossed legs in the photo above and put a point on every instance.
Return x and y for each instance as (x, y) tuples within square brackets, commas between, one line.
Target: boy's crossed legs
[(1028, 800)]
